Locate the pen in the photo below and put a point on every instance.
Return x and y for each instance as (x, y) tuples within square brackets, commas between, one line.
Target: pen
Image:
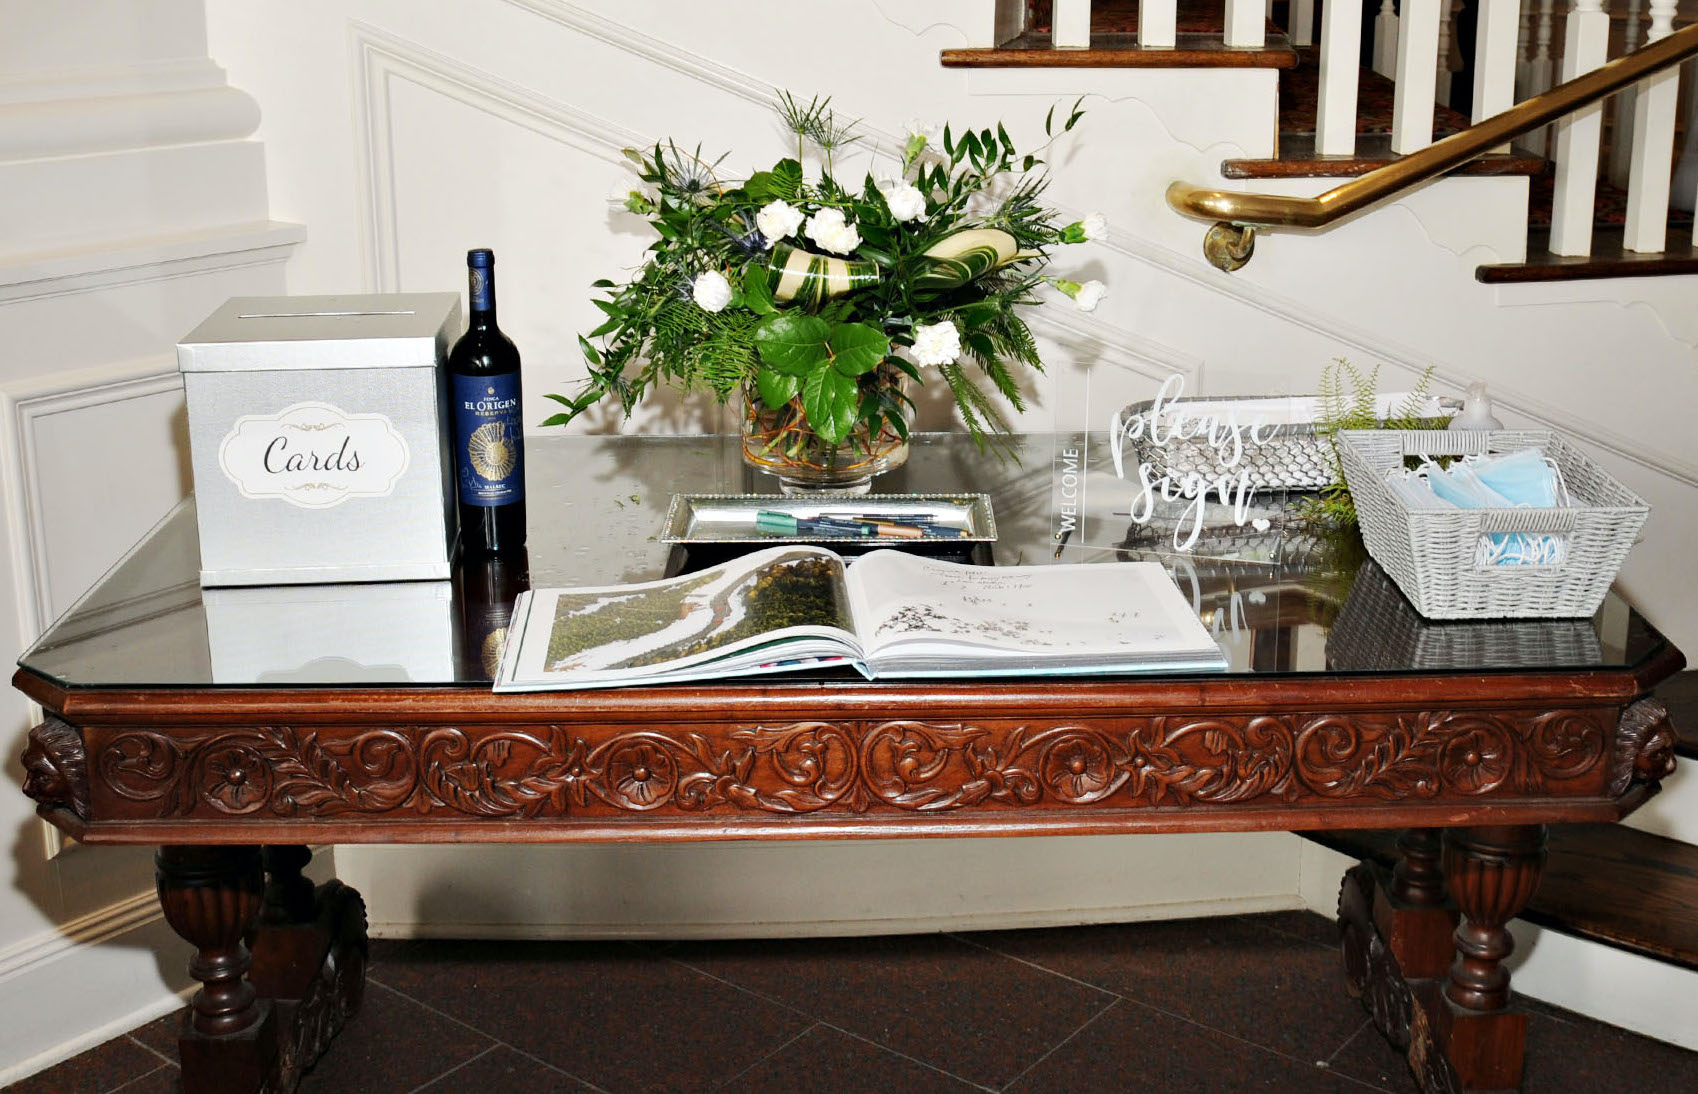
[(899, 518), (897, 523), (774, 522)]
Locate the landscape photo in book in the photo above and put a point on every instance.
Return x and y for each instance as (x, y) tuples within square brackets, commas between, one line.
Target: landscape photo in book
[(660, 622)]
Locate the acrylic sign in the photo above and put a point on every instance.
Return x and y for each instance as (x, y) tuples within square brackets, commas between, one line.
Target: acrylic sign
[(1168, 424)]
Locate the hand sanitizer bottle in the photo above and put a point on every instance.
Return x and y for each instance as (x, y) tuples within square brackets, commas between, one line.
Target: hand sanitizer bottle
[(1476, 410)]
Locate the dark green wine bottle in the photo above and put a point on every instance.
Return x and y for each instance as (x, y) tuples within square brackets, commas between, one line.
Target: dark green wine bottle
[(489, 442)]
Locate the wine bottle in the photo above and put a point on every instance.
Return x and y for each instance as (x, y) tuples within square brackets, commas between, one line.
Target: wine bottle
[(489, 443)]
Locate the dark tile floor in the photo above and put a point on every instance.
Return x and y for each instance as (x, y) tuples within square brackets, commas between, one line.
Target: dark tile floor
[(1214, 1006)]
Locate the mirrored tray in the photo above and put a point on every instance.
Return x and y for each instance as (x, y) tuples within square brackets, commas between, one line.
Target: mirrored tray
[(917, 518)]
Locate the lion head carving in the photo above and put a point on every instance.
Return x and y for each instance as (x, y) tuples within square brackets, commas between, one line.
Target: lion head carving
[(1644, 746), (56, 766)]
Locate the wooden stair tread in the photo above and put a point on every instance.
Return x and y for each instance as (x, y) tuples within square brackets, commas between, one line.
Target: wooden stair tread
[(1120, 50), (1299, 160), (1608, 259), (1603, 882)]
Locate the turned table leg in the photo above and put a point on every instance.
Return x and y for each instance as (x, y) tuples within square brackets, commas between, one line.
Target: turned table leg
[(1464, 1035), (209, 896)]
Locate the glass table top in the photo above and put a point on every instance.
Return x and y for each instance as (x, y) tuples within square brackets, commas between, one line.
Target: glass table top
[(1280, 598)]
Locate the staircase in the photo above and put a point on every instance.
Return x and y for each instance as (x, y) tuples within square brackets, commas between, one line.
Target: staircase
[(1590, 205), (1356, 120)]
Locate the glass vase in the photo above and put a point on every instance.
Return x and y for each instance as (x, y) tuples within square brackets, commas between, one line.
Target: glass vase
[(780, 443)]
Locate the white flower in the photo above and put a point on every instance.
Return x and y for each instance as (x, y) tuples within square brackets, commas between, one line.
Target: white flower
[(936, 343), (829, 229), (905, 201), (927, 131), (1086, 296), (1090, 294), (778, 219), (1094, 226), (711, 291)]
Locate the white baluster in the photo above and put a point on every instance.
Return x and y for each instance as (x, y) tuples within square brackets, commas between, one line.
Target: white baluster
[(1417, 78), (1686, 172), (1442, 72), (1523, 55), (1070, 23), (1302, 22), (1584, 44), (1385, 40), (1246, 23), (1494, 60), (1621, 104), (1010, 21), (1158, 23), (1539, 73), (1653, 146), (1335, 114)]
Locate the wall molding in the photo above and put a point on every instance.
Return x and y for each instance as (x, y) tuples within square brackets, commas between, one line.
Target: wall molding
[(639, 44), (379, 58), (22, 404)]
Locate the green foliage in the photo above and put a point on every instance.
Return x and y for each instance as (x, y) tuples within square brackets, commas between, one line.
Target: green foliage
[(1348, 398), (836, 351)]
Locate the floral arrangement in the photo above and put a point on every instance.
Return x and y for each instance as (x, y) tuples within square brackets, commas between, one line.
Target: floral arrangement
[(817, 300)]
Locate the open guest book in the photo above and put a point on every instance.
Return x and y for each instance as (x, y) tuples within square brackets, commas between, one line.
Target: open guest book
[(889, 614)]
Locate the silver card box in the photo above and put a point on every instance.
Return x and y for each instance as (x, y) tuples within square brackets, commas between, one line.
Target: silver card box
[(320, 439)]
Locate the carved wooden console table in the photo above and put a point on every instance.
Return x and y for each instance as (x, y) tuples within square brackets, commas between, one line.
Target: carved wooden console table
[(1473, 737)]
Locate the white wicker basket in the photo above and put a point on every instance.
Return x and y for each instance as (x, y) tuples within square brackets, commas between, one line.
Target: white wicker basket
[(1433, 554)]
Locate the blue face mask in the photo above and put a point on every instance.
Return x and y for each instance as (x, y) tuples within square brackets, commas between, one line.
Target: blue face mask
[(1520, 478), (1462, 488), (1468, 486)]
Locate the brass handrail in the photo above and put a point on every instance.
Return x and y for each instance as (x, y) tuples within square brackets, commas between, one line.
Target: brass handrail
[(1237, 215)]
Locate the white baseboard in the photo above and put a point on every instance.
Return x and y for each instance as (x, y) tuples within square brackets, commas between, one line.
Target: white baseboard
[(73, 995), (839, 928), (100, 975), (1636, 993)]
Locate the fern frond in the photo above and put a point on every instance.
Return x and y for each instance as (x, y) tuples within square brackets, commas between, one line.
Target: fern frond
[(983, 418)]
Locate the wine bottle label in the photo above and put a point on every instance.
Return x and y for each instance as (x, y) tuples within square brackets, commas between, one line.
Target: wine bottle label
[(490, 449), (314, 455)]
